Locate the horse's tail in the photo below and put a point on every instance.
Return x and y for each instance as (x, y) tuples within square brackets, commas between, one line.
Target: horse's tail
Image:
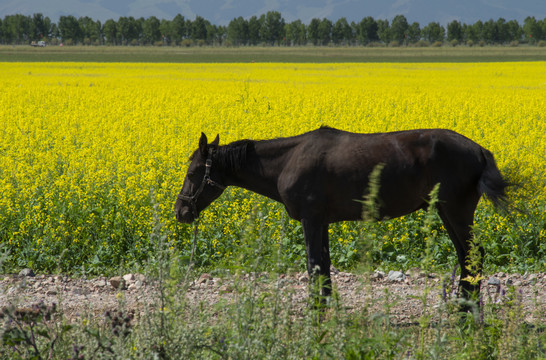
[(491, 183)]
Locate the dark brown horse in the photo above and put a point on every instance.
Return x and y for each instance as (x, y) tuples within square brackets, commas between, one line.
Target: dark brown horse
[(319, 176)]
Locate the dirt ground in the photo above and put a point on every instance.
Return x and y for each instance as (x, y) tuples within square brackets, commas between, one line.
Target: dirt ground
[(403, 292)]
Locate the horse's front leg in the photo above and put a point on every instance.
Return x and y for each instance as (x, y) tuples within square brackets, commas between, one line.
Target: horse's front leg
[(318, 257)]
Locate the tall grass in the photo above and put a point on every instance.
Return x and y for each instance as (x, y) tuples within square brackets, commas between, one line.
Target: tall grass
[(258, 317)]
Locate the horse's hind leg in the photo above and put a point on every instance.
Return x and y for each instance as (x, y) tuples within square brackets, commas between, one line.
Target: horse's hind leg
[(458, 218), (318, 255)]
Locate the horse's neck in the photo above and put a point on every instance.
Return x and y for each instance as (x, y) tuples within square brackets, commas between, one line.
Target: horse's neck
[(263, 166)]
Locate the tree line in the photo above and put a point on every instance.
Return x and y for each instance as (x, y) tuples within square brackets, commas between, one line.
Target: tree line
[(269, 28)]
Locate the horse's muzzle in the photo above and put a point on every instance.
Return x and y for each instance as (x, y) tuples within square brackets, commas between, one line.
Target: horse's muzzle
[(184, 214)]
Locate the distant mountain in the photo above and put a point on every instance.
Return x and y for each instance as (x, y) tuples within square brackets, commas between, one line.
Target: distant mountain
[(221, 12)]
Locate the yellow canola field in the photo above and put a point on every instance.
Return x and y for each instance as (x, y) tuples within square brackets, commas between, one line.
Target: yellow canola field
[(92, 155)]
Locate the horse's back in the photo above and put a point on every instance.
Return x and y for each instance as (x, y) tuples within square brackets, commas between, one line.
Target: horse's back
[(330, 169), (342, 149)]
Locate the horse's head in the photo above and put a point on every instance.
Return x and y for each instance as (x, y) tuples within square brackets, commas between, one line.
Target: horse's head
[(201, 185)]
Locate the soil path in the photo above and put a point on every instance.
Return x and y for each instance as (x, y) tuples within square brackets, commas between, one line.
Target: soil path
[(403, 292)]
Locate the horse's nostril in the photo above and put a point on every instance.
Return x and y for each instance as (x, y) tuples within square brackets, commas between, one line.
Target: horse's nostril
[(183, 215)]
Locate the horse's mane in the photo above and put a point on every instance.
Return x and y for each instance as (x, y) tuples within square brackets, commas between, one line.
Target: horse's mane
[(233, 155)]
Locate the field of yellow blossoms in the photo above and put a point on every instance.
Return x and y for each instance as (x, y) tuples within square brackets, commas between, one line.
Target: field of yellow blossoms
[(92, 156)]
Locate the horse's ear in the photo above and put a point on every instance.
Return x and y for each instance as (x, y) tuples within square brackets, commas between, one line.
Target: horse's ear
[(203, 144), (216, 141)]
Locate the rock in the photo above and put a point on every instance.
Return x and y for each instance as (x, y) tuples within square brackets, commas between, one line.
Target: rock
[(204, 278), (141, 278), (303, 278), (225, 289), (396, 276), (51, 292), (514, 281), (118, 283), (378, 275), (27, 273), (101, 283), (493, 281)]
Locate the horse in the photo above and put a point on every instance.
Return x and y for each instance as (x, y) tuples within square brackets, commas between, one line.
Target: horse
[(321, 177)]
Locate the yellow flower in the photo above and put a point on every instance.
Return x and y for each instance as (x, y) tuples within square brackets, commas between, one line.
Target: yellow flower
[(89, 167)]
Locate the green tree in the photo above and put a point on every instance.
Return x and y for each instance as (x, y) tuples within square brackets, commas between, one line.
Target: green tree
[(179, 31), (237, 31), (254, 26), (325, 31), (342, 32), (414, 33), (490, 32), (91, 30), (532, 29), (434, 32), (124, 30), (477, 31), (399, 28), (70, 30), (221, 34), (41, 27), (366, 31), (17, 29), (313, 31), (295, 33), (135, 32), (514, 30), (150, 30), (272, 30), (166, 30), (189, 25), (110, 30), (215, 34), (384, 31), (199, 29), (454, 31), (502, 31)]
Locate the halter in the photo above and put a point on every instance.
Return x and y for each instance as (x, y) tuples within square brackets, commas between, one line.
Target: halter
[(206, 181)]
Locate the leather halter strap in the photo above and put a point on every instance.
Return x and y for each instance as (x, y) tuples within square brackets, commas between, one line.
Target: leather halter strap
[(192, 199)]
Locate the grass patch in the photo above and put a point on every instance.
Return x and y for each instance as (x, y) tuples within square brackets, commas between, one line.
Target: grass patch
[(258, 317), (306, 54)]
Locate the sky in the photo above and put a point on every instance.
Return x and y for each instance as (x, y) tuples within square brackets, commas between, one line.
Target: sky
[(221, 12)]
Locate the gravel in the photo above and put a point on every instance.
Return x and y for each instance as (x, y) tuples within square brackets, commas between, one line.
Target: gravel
[(403, 292)]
